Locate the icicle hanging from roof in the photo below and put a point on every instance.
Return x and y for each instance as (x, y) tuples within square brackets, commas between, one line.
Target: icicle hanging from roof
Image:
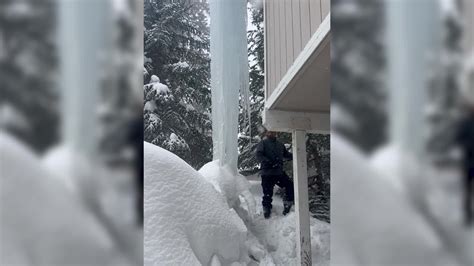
[(229, 75)]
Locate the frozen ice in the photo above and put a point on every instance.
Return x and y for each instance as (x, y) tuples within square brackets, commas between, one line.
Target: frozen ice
[(229, 75)]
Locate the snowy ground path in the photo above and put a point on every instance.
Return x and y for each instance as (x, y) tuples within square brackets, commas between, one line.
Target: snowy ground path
[(278, 234)]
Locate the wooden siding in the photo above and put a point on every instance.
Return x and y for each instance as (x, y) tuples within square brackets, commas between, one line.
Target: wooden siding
[(289, 25)]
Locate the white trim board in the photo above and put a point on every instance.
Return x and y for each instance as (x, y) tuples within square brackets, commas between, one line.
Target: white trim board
[(287, 121), (319, 39)]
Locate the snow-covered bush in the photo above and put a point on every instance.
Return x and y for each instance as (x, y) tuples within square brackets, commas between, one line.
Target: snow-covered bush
[(187, 221)]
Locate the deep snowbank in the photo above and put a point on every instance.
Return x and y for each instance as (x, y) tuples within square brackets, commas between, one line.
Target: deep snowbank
[(42, 223), (187, 221)]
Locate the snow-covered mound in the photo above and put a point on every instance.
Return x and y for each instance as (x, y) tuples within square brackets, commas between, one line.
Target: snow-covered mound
[(71, 169), (41, 222), (234, 187), (187, 221), (373, 223)]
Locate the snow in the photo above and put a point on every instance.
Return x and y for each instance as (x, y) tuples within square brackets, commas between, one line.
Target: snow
[(388, 160), (229, 75), (12, 118), (467, 79), (234, 188), (187, 221), (176, 142), (150, 106), (278, 237), (158, 87), (179, 65), (42, 222), (19, 9), (213, 217), (368, 207)]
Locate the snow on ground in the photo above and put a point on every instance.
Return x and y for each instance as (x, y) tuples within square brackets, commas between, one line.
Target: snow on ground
[(373, 222), (192, 218), (234, 187), (42, 222), (278, 234), (187, 222)]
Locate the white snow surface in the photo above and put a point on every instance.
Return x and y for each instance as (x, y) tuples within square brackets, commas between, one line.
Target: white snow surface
[(150, 106), (213, 217), (367, 207), (157, 86), (278, 236), (10, 117), (42, 223), (187, 221), (234, 188)]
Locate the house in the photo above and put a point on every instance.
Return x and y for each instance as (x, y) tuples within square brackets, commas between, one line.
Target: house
[(297, 87)]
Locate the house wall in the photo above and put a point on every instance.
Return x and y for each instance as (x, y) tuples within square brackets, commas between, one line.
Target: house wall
[(289, 24)]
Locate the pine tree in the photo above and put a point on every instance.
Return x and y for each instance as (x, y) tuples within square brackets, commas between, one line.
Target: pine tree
[(357, 84), (28, 65), (444, 91), (176, 42)]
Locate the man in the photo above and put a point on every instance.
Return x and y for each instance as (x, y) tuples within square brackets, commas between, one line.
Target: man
[(271, 154), (465, 139)]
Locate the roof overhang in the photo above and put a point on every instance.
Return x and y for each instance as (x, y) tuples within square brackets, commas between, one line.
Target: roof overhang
[(304, 91)]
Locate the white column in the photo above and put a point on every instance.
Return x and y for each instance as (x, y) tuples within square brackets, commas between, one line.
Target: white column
[(300, 174)]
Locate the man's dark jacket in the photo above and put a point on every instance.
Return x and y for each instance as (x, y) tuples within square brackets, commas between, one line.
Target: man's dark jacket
[(271, 154), (465, 139)]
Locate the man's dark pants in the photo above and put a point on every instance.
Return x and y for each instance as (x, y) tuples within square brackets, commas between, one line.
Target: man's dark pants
[(468, 194), (269, 181)]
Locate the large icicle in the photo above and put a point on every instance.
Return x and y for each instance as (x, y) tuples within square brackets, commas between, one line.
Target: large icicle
[(229, 75)]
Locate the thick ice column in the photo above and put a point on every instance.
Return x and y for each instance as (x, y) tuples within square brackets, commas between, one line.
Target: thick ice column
[(413, 42), (229, 75), (83, 32)]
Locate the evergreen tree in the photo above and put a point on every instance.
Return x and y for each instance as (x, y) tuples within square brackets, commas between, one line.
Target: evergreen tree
[(444, 90), (28, 65), (250, 131), (176, 40), (357, 84)]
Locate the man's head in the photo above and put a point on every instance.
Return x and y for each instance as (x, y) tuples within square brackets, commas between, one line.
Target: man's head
[(270, 134)]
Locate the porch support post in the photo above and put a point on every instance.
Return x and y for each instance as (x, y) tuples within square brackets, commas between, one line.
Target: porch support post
[(300, 175)]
